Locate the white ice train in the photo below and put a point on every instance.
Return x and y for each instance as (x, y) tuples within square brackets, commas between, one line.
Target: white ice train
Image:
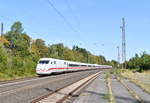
[(47, 66)]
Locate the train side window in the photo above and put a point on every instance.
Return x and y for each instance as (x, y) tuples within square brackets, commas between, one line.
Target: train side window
[(65, 63), (44, 62), (54, 62), (73, 65)]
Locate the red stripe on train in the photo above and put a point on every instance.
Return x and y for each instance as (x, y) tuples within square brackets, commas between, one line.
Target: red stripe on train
[(66, 68)]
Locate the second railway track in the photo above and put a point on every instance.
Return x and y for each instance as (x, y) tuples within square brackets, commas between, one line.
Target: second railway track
[(125, 91), (60, 95)]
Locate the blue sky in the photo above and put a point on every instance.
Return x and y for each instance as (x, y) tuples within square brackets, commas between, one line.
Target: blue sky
[(97, 23)]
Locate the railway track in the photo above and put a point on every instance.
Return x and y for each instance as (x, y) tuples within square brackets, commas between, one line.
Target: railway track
[(132, 92), (138, 93), (60, 95), (125, 91), (27, 90)]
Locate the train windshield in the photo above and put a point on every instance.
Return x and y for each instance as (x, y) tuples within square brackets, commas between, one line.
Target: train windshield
[(43, 61)]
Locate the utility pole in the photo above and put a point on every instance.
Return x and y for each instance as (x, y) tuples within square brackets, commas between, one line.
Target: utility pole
[(2, 29), (118, 57), (30, 45), (123, 41), (1, 36)]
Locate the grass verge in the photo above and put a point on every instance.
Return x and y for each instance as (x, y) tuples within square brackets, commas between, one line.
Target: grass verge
[(140, 79), (110, 94), (5, 77)]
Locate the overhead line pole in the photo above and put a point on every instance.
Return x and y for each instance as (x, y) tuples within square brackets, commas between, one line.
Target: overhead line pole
[(1, 36), (2, 29), (118, 57), (123, 42)]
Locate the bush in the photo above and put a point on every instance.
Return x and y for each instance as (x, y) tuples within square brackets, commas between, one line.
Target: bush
[(139, 63)]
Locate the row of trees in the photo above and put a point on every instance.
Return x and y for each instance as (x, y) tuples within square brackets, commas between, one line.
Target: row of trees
[(19, 53), (139, 62)]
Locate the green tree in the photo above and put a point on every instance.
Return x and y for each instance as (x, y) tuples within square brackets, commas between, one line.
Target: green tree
[(139, 63), (3, 59), (19, 41), (41, 48)]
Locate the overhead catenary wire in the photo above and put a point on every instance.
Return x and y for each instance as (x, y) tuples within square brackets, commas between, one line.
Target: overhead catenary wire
[(72, 12), (75, 17), (61, 15)]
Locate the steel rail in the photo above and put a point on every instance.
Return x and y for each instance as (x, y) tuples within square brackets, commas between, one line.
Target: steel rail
[(67, 95)]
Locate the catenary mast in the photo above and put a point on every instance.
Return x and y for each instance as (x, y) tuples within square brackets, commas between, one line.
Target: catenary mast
[(123, 41)]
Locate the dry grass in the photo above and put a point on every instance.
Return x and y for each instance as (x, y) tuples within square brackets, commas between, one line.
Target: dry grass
[(141, 79)]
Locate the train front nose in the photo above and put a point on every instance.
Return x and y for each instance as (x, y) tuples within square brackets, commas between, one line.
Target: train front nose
[(42, 67), (41, 71)]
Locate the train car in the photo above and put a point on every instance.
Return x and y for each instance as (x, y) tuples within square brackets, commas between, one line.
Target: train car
[(47, 66), (50, 65)]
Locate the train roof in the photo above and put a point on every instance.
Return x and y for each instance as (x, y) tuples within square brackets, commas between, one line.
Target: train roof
[(72, 62)]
